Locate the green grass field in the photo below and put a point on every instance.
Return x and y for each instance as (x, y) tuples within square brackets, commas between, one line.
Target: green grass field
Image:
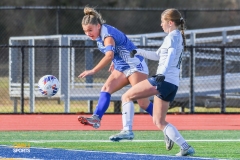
[(209, 144)]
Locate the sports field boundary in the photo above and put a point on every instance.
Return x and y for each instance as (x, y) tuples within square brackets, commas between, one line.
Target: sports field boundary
[(55, 153), (54, 122)]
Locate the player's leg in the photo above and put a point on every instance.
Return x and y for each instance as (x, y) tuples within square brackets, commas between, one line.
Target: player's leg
[(144, 103), (159, 115), (115, 82), (128, 112), (135, 92)]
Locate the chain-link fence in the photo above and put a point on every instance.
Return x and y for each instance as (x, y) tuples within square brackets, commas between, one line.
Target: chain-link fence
[(209, 74), (210, 82)]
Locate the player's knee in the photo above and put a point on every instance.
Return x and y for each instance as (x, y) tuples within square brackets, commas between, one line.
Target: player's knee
[(143, 103), (125, 98), (158, 123), (105, 89)]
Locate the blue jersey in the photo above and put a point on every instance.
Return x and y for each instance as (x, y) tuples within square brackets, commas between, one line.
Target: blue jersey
[(122, 60)]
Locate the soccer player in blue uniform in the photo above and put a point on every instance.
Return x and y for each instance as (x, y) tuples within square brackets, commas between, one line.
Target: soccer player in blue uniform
[(124, 70), (164, 84)]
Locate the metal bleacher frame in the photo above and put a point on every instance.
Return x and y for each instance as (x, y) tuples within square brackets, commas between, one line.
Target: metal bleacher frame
[(68, 92)]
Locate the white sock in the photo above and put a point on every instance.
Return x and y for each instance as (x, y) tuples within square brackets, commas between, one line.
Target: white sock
[(127, 115), (175, 136)]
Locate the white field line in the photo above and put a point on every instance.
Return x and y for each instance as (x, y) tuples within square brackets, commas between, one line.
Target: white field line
[(77, 141)]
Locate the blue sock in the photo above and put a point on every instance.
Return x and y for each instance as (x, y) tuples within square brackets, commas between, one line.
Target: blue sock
[(150, 108), (103, 104)]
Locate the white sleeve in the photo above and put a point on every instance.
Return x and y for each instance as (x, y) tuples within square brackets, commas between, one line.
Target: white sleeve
[(169, 60), (148, 54)]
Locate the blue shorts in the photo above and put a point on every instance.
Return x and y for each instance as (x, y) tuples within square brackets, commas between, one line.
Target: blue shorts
[(167, 91)]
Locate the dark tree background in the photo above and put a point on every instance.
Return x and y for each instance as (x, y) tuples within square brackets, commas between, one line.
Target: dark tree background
[(29, 22)]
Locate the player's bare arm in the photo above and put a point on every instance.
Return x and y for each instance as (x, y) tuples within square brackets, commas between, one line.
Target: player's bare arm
[(104, 61), (109, 55)]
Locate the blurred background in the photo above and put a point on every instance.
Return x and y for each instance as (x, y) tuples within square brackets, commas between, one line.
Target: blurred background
[(32, 17), (210, 75)]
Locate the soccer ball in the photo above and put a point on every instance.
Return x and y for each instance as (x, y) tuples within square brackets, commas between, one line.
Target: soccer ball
[(48, 85)]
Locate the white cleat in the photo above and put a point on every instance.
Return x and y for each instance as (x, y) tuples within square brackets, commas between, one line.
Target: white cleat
[(188, 152), (123, 135)]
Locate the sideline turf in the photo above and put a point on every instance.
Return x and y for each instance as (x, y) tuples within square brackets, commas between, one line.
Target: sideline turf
[(203, 142)]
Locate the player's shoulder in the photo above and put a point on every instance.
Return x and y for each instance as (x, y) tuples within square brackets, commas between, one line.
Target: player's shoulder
[(108, 30), (105, 31), (175, 34), (171, 39)]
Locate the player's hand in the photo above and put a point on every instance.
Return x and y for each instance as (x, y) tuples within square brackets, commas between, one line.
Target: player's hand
[(159, 77), (86, 73), (132, 53)]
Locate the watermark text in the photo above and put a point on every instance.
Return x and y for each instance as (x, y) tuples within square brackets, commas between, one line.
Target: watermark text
[(21, 147)]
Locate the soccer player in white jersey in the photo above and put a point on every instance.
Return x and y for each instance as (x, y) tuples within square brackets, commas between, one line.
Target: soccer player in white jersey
[(124, 70), (164, 84)]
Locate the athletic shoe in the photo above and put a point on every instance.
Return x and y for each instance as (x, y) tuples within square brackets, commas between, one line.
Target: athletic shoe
[(128, 135), (93, 121), (169, 142), (188, 152)]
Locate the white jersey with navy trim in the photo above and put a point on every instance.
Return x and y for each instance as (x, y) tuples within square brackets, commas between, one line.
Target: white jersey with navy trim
[(122, 60), (168, 55)]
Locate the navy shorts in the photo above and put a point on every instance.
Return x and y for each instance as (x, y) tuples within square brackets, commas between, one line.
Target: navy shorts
[(167, 91)]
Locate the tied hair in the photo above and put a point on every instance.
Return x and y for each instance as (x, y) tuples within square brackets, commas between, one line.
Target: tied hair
[(92, 16), (182, 28)]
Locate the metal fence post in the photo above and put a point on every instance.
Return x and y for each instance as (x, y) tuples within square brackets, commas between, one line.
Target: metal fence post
[(31, 68), (72, 67), (57, 20), (192, 73), (223, 72), (64, 66), (88, 60), (223, 80), (143, 42), (14, 60), (224, 35), (22, 82), (88, 66)]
